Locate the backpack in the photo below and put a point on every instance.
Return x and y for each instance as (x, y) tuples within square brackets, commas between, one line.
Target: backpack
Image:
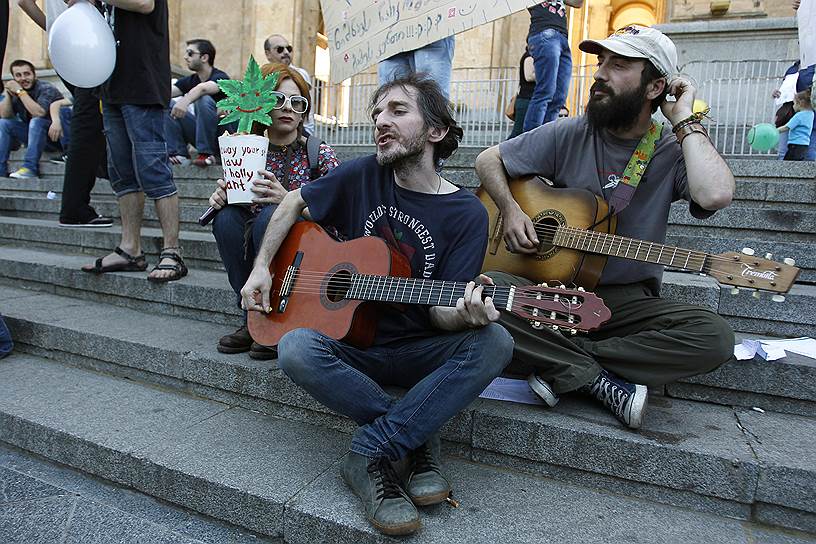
[(313, 155)]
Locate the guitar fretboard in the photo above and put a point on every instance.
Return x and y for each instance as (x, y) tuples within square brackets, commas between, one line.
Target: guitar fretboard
[(630, 248), (417, 291)]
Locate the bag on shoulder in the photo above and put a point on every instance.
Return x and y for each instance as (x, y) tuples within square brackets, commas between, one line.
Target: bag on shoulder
[(784, 114), (313, 144), (510, 110)]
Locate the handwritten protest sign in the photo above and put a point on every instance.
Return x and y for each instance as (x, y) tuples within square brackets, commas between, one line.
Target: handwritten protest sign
[(363, 32), (242, 156)]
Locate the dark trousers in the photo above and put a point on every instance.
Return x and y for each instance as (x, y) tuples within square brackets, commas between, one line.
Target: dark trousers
[(796, 152), (86, 152), (648, 340)]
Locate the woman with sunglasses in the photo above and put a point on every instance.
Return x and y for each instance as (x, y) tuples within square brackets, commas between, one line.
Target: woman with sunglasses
[(239, 229)]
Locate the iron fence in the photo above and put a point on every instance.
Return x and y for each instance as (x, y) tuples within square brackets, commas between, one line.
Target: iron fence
[(738, 92)]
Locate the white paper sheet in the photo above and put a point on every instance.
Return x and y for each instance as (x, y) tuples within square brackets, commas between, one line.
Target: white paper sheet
[(511, 390), (771, 350)]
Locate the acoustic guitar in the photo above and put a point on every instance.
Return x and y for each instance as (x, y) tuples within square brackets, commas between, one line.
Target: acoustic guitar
[(576, 236), (322, 284)]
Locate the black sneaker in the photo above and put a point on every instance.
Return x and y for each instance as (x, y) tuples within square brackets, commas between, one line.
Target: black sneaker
[(386, 504), (425, 483), (97, 222), (627, 401), (59, 159)]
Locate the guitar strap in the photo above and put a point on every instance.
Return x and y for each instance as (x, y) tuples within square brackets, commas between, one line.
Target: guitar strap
[(623, 193)]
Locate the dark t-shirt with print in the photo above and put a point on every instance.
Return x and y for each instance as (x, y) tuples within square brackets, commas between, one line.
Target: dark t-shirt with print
[(443, 236), (571, 154), (184, 84), (551, 14), (142, 72), (42, 92)]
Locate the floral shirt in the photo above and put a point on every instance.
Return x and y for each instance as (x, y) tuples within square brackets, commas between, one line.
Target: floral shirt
[(298, 167)]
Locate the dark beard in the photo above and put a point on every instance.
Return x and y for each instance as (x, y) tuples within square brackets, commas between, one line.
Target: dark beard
[(615, 111), (404, 159)]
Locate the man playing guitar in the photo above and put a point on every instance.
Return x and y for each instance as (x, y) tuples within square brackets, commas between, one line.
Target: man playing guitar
[(444, 356), (649, 341)]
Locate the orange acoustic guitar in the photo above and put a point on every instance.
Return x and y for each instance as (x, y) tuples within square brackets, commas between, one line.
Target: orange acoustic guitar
[(576, 237), (322, 284)]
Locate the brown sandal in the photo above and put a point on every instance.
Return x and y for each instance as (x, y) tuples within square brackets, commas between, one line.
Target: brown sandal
[(179, 268)]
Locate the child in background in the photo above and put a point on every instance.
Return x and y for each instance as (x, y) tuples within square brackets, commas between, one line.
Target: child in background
[(799, 127)]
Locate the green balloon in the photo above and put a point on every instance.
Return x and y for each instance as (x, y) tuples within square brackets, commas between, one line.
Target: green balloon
[(763, 137)]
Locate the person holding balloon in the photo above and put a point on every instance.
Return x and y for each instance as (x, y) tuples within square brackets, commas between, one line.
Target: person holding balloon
[(799, 127)]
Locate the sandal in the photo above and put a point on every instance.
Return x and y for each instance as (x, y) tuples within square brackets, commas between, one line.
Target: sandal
[(179, 269), (132, 264)]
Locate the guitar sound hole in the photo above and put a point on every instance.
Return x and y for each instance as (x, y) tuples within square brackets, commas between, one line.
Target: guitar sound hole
[(338, 286), (545, 228)]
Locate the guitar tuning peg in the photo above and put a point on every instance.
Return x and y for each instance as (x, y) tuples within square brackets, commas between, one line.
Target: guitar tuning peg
[(756, 294), (735, 290), (573, 332), (788, 261), (562, 286), (581, 289), (778, 298), (543, 284), (748, 251), (769, 256), (555, 327)]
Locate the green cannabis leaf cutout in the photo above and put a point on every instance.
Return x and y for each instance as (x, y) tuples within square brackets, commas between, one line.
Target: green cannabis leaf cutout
[(249, 100)]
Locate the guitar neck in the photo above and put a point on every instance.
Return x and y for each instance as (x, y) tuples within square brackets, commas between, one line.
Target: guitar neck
[(630, 248), (418, 291)]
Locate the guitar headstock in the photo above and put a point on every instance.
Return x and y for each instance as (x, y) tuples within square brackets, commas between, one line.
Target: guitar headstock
[(746, 270), (559, 308)]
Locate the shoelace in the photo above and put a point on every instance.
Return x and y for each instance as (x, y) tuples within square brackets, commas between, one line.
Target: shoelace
[(423, 461), (611, 395), (386, 478)]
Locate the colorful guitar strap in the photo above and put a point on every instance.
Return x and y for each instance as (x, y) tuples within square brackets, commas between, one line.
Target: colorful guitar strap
[(622, 194)]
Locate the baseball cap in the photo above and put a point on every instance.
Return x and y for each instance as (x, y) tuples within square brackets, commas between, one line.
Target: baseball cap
[(639, 42)]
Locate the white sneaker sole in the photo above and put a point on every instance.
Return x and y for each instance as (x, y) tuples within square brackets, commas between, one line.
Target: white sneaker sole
[(637, 406), (543, 390)]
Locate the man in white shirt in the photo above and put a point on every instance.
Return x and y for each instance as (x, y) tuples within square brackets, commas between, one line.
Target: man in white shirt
[(278, 49)]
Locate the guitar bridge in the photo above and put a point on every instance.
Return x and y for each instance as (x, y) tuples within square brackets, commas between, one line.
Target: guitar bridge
[(289, 281)]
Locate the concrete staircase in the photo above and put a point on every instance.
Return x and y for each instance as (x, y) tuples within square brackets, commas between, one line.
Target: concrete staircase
[(120, 378)]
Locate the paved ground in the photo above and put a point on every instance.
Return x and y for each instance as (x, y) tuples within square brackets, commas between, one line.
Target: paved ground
[(45, 503)]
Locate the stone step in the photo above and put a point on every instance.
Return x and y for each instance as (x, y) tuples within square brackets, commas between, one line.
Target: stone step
[(46, 209), (712, 458), (205, 294), (788, 385), (281, 478), (198, 245)]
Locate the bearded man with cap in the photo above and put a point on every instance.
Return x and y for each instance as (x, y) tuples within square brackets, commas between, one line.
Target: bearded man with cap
[(649, 341)]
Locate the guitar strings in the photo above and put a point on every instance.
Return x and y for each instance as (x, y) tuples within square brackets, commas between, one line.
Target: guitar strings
[(602, 238)]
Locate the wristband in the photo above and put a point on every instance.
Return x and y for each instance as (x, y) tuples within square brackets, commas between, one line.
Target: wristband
[(689, 128)]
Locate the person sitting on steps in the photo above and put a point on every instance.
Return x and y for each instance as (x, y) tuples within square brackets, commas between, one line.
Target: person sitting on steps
[(292, 162), (649, 341)]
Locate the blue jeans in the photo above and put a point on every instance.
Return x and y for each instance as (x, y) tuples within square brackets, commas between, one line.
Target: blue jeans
[(137, 151), (553, 69), (782, 146), (15, 132), (443, 375), (435, 59), (229, 228), (6, 344), (199, 129), (811, 152)]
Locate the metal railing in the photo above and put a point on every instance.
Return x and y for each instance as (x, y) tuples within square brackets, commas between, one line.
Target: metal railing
[(738, 92)]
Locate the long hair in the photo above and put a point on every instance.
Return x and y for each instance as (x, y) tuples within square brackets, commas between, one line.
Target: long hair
[(436, 110), (285, 72)]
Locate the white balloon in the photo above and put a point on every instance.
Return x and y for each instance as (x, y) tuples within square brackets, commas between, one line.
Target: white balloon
[(81, 46)]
